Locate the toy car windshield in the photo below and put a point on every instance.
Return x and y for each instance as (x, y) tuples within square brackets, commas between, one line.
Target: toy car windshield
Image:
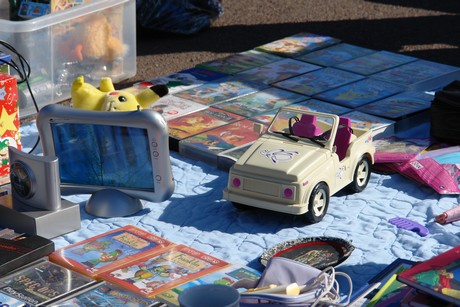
[(302, 125)]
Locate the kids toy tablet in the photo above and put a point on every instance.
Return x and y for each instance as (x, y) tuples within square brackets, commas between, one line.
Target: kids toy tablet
[(118, 157)]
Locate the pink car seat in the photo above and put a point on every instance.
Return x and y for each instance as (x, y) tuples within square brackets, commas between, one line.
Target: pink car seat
[(306, 126), (343, 137)]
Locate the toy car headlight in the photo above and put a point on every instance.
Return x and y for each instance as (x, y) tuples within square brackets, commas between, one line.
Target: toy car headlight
[(236, 182), (288, 192)]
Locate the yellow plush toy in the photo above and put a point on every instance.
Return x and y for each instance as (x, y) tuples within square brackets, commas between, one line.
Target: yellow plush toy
[(87, 97)]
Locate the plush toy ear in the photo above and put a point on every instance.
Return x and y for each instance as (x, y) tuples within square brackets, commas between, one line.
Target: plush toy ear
[(150, 95), (106, 85)]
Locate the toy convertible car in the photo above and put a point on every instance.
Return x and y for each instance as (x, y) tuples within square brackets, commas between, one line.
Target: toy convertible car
[(303, 159)]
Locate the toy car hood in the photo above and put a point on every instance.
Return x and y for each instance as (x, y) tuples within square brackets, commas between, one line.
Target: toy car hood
[(279, 158)]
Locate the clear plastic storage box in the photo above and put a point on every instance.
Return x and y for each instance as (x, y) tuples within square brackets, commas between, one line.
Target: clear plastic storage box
[(96, 39)]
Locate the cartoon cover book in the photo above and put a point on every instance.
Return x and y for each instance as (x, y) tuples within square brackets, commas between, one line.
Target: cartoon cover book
[(205, 146), (260, 102), (318, 81), (239, 62), (278, 71), (335, 54), (184, 79), (400, 105), (198, 122), (105, 294), (238, 276), (298, 44), (438, 169), (220, 90), (107, 250), (438, 276), (375, 62), (360, 93), (171, 106), (420, 71), (151, 275), (42, 282)]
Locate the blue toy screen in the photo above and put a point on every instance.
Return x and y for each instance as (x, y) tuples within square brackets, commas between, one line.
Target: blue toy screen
[(103, 155)]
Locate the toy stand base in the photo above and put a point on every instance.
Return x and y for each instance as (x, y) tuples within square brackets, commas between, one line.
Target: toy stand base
[(48, 224)]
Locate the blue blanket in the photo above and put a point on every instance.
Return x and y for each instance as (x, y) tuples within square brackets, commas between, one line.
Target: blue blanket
[(198, 216)]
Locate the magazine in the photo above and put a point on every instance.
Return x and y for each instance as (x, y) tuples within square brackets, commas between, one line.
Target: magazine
[(438, 276), (153, 274), (108, 250)]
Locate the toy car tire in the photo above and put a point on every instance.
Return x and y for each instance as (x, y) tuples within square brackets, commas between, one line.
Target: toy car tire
[(361, 175), (318, 203)]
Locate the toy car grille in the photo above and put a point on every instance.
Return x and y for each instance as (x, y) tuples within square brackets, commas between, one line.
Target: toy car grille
[(263, 187)]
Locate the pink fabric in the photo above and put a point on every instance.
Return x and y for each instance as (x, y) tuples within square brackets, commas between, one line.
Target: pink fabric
[(343, 137)]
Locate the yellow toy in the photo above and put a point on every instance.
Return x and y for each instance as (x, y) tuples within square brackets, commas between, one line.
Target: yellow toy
[(87, 97)]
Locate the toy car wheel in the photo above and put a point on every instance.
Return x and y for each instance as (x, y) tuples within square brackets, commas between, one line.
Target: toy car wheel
[(361, 176), (318, 203)]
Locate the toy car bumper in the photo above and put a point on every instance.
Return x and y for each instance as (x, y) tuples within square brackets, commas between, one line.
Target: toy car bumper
[(295, 209)]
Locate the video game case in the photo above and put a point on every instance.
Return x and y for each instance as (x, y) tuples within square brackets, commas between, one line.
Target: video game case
[(198, 122), (108, 250), (318, 105), (184, 79), (277, 71), (318, 81), (422, 74), (239, 62), (207, 145), (259, 102), (375, 62), (17, 249), (42, 282), (105, 294), (148, 276), (400, 105), (380, 127), (227, 158), (298, 44), (171, 106), (360, 93), (238, 276), (335, 54), (221, 90), (9, 301)]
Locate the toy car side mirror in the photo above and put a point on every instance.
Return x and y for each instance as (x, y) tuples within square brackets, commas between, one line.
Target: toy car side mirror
[(259, 128)]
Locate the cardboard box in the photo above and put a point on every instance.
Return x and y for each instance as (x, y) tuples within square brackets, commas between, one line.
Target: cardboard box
[(95, 39), (9, 123)]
